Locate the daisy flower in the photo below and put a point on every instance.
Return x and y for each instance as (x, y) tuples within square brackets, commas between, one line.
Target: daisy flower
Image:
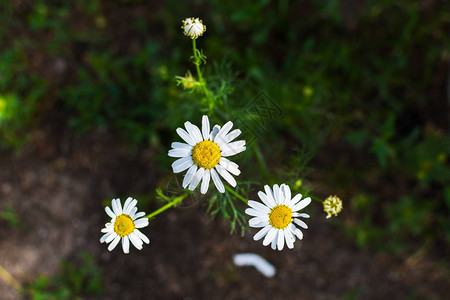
[(332, 206), (124, 225), (205, 155), (193, 27), (276, 216)]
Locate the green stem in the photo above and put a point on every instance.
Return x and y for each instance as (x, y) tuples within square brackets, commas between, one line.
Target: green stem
[(316, 198), (197, 62), (261, 161), (236, 194), (167, 206)]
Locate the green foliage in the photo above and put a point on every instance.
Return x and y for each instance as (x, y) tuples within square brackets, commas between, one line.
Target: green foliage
[(9, 215), (74, 281), (19, 95), (226, 206), (369, 101)]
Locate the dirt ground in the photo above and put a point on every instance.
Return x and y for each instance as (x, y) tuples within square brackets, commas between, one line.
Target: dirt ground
[(57, 191)]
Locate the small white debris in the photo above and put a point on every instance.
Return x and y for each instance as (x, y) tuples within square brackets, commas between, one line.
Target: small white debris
[(252, 259)]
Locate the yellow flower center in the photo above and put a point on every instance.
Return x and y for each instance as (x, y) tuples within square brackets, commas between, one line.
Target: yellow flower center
[(123, 225), (206, 154), (280, 216)]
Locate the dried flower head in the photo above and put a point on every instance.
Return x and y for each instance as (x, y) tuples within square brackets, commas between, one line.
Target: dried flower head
[(332, 206)]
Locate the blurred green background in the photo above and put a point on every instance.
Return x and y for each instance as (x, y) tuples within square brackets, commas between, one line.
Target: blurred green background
[(364, 88)]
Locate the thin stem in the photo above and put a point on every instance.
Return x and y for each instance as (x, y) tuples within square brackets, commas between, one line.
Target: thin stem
[(261, 161), (167, 206), (316, 198), (197, 62), (236, 194)]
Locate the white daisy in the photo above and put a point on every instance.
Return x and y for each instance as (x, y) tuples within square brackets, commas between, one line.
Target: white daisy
[(205, 155), (193, 27), (124, 225), (276, 216)]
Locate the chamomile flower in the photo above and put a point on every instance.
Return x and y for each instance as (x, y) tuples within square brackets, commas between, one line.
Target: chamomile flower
[(204, 155), (124, 225), (276, 216), (332, 206), (193, 27)]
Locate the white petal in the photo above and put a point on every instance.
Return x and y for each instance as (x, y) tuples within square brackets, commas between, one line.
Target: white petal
[(270, 236), (294, 200), (289, 239), (269, 193), (197, 177), (258, 222), (302, 204), (217, 182), (177, 145), (205, 181), (280, 239), (131, 204), (300, 223), (227, 176), (142, 236), (231, 151), (127, 202), (287, 193), (237, 144), (135, 240), (258, 206), (126, 244), (303, 215), (180, 152), (205, 128), (106, 229), (298, 233), (114, 243), (138, 215), (182, 164), (231, 167), (275, 240), (185, 136), (117, 207), (111, 237), (105, 237), (133, 213), (189, 176), (140, 223), (277, 194), (214, 132), (222, 132), (268, 201), (110, 212), (255, 213), (232, 135), (290, 230), (194, 132), (262, 233)]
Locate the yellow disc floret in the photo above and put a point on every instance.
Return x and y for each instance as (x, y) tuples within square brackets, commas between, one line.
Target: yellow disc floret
[(280, 216), (206, 154), (332, 206), (123, 225)]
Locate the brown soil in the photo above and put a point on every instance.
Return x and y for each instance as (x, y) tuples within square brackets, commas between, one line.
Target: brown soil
[(58, 191)]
